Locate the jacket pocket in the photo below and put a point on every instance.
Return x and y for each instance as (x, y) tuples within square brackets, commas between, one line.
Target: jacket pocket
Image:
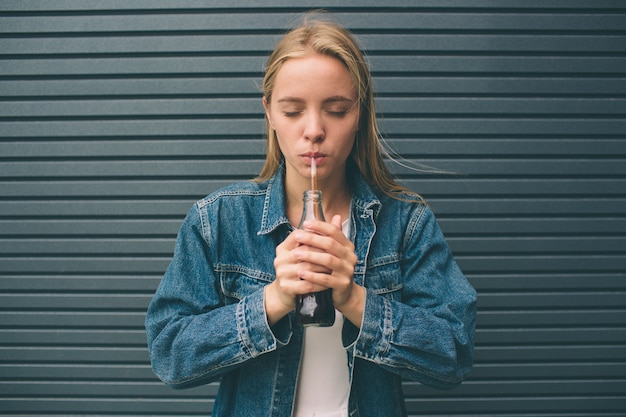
[(383, 277), (237, 281)]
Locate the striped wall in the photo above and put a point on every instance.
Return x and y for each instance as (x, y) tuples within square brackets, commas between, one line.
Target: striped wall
[(116, 116)]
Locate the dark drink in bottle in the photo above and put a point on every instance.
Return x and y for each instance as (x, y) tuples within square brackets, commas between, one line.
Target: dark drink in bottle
[(314, 309)]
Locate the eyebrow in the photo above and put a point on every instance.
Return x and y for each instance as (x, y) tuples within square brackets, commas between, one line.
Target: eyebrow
[(332, 99)]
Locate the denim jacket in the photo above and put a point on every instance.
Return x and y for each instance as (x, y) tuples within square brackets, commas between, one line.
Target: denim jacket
[(207, 320)]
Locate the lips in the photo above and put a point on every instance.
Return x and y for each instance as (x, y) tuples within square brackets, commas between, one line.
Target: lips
[(319, 157)]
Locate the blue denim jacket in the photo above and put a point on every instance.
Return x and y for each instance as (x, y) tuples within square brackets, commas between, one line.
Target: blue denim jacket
[(207, 319)]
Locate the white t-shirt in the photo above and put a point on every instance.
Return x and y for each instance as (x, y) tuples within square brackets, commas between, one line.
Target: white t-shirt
[(323, 384)]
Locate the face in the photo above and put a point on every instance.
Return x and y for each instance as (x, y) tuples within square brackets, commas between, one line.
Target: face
[(314, 111)]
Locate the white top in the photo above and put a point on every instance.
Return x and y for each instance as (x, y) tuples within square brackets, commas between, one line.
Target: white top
[(323, 384)]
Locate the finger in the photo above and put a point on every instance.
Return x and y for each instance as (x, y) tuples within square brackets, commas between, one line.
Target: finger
[(311, 281), (336, 244), (322, 228), (318, 235), (289, 243), (312, 267)]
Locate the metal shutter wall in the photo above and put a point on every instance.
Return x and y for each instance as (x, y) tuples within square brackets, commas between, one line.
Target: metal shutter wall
[(115, 116)]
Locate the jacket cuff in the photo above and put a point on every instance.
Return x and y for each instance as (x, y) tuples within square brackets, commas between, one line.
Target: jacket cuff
[(254, 330), (374, 337)]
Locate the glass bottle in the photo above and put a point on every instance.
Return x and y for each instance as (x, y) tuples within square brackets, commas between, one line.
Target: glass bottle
[(314, 309)]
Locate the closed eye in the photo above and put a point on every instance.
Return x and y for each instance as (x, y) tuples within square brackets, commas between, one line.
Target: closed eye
[(338, 113)]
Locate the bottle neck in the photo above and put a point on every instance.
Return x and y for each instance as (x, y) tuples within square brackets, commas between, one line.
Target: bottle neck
[(312, 209)]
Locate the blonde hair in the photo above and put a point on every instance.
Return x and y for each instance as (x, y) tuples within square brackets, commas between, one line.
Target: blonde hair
[(331, 39)]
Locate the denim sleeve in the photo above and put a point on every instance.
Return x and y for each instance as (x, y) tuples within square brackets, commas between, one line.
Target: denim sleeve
[(427, 334), (193, 336)]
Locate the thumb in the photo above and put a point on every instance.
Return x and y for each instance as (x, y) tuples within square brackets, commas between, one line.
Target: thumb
[(336, 221)]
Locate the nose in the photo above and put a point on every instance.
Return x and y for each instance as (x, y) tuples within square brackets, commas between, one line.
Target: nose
[(314, 128)]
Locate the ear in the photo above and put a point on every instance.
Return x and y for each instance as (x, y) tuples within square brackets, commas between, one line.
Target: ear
[(266, 106)]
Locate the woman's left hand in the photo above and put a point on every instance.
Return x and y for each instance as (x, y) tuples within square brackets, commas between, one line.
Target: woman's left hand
[(336, 253)]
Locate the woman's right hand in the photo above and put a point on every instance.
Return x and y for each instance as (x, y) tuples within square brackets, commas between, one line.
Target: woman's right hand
[(280, 295)]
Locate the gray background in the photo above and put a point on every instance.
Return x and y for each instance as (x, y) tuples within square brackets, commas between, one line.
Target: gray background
[(115, 116)]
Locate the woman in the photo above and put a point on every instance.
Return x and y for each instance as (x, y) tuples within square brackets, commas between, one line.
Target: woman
[(224, 308)]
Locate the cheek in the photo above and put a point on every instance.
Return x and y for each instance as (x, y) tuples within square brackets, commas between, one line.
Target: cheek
[(350, 147), (280, 124), (352, 129), (281, 142), (287, 132), (282, 130)]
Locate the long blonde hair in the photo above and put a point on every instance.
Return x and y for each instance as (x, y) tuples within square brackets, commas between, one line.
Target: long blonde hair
[(328, 38)]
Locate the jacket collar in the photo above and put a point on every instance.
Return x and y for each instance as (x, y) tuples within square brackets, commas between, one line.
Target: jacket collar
[(364, 199), (274, 206)]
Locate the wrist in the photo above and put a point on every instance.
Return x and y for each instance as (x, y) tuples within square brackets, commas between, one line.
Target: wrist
[(275, 308), (353, 307)]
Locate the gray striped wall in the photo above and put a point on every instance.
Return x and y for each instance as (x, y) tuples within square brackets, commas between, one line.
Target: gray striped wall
[(116, 116)]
